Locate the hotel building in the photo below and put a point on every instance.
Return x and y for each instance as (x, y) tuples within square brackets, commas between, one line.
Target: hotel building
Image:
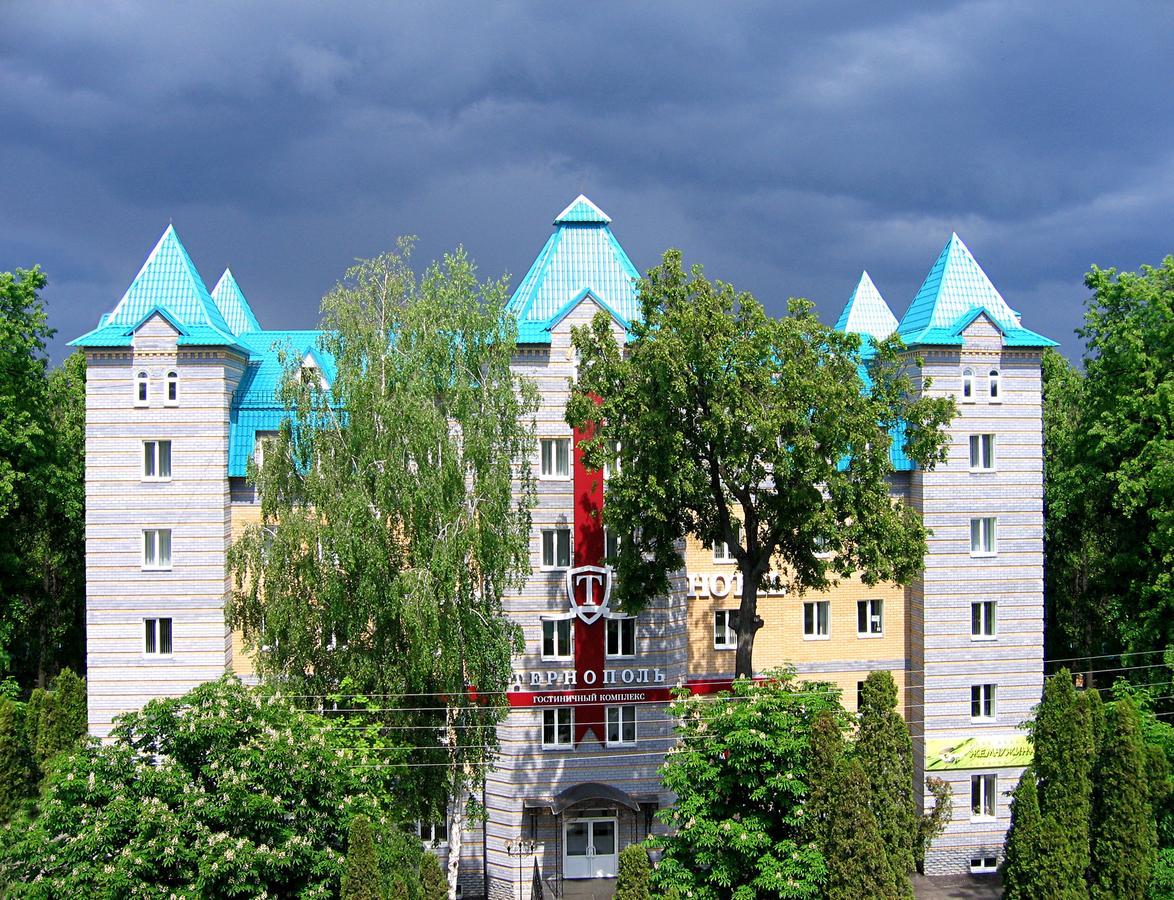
[(181, 392)]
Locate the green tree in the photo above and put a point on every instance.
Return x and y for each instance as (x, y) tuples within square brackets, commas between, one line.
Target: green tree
[(755, 432), (635, 876), (827, 748), (433, 884), (15, 768), (742, 771), (396, 514), (362, 880), (223, 792), (42, 451), (933, 821), (1024, 847), (1124, 839), (886, 750), (857, 860), (62, 718), (1063, 753)]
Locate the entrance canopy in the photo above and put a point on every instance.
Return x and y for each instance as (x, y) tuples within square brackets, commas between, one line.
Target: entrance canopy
[(590, 790)]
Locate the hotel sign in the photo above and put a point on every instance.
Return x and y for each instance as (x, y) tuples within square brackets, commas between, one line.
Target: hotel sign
[(723, 584), (983, 752)]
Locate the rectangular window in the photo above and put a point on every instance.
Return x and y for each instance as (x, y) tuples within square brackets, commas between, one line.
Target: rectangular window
[(556, 548), (157, 460), (724, 635), (982, 797), (157, 637), (558, 724), (721, 552), (612, 468), (263, 442), (817, 619), (611, 543), (556, 638), (556, 457), (157, 548), (982, 453), (982, 702), (859, 695), (989, 863), (870, 619), (621, 637), (433, 834), (621, 725), (984, 536), (983, 620)]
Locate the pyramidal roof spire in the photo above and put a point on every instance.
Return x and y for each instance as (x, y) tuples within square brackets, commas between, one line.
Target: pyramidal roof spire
[(866, 312), (582, 210), (954, 293), (231, 302)]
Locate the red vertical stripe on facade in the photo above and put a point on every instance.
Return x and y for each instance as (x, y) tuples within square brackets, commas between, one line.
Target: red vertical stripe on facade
[(589, 639)]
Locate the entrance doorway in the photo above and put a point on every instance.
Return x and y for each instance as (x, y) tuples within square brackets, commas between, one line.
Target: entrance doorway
[(590, 848)]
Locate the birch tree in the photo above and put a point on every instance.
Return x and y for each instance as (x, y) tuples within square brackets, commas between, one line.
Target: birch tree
[(395, 515)]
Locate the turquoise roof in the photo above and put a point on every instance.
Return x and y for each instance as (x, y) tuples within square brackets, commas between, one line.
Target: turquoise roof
[(168, 284), (581, 258), (957, 289), (231, 302), (866, 312)]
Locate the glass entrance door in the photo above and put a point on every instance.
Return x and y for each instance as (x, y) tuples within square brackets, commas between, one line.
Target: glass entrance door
[(590, 849)]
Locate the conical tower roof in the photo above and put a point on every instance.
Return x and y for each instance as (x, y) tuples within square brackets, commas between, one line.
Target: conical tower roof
[(231, 302), (866, 312)]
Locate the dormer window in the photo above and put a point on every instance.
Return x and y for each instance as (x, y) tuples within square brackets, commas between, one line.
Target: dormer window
[(993, 377), (142, 381), (311, 374), (968, 385), (172, 389)]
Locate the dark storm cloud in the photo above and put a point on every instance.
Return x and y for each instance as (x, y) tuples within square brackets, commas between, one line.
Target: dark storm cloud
[(787, 146)]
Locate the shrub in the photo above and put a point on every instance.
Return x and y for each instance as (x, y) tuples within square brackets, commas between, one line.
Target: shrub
[(635, 874), (433, 883)]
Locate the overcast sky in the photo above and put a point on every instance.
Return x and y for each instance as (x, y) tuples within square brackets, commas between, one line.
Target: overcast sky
[(786, 146)]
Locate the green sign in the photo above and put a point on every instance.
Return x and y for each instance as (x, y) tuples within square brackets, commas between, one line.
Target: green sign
[(984, 752)]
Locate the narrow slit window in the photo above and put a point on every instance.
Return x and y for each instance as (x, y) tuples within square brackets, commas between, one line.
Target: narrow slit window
[(142, 386), (172, 388), (968, 385), (993, 381)]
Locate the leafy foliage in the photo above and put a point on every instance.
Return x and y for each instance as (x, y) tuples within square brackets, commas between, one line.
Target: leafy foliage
[(635, 874), (933, 822), (362, 879), (223, 792), (858, 863), (757, 432), (15, 764), (742, 773), (42, 488), (1124, 837), (885, 748), (395, 509)]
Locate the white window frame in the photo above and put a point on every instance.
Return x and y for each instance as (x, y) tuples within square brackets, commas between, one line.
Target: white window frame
[(818, 615), (721, 552), (555, 623), (984, 797), (611, 543), (153, 544), (874, 613), (985, 697), (978, 614), (426, 831), (728, 634), (994, 381), (621, 624), (555, 714), (620, 714), (261, 439), (984, 536), (988, 862), (610, 471), (982, 453), (153, 454), (171, 389), (153, 632), (142, 388), (968, 385), (555, 565), (554, 443)]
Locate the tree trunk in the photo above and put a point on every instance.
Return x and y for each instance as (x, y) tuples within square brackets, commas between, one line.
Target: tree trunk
[(748, 623), (456, 827)]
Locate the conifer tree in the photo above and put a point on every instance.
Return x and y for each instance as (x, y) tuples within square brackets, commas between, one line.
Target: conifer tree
[(635, 874), (857, 864), (827, 747), (1023, 878), (362, 880), (886, 752), (14, 761), (1062, 735), (63, 718), (399, 890), (1124, 837), (433, 884), (1091, 698)]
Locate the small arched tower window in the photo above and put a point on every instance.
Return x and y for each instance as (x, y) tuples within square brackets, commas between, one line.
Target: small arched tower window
[(994, 384), (968, 384), (173, 388), (142, 381)]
